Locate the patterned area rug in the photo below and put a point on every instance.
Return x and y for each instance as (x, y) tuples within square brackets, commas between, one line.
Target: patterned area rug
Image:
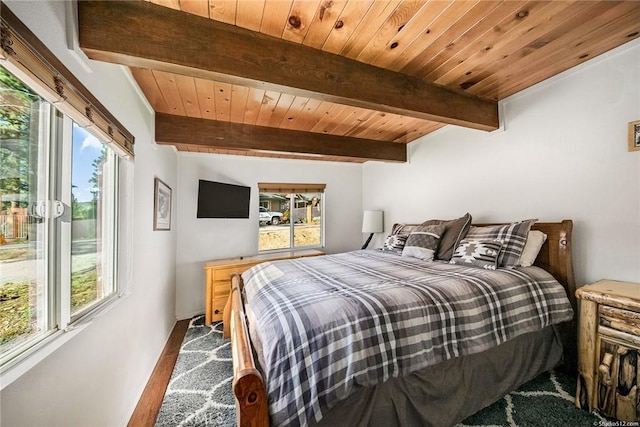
[(199, 392)]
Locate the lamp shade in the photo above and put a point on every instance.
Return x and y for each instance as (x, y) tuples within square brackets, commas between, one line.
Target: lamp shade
[(372, 222)]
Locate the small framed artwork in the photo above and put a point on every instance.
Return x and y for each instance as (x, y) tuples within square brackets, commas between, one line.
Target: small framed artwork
[(161, 206), (634, 136)]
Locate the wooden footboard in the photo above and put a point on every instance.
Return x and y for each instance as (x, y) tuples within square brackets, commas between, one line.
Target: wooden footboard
[(248, 386)]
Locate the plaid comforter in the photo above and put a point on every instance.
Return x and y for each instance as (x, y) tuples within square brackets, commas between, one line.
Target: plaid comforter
[(331, 323)]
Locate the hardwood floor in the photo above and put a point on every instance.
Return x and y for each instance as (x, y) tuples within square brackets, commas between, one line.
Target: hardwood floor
[(148, 406)]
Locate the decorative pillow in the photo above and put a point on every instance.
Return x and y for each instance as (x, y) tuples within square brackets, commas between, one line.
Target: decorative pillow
[(513, 237), (535, 240), (423, 242), (455, 230), (394, 243), (477, 253)]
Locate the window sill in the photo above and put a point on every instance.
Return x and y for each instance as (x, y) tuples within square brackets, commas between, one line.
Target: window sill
[(22, 363)]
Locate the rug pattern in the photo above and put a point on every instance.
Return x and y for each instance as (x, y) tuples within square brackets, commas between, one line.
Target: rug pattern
[(199, 392)]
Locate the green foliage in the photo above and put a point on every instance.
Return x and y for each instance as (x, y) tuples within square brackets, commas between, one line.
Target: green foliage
[(17, 102), (14, 311)]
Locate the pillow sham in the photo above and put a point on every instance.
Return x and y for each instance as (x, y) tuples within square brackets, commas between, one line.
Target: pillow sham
[(535, 240), (513, 237), (394, 243), (423, 242), (455, 230), (477, 253)]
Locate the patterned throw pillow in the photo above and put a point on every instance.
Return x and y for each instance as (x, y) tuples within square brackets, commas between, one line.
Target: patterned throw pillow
[(513, 237), (423, 242), (477, 253), (394, 243)]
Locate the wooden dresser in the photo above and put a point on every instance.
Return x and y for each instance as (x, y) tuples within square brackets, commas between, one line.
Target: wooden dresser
[(609, 349), (218, 277)]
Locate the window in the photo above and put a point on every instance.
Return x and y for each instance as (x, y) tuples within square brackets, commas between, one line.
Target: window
[(291, 216), (60, 151), (58, 193)]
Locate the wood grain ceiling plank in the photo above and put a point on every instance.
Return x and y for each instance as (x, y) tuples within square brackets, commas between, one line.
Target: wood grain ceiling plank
[(305, 116), (169, 90), (149, 87), (494, 26), (435, 29), (254, 103), (385, 36), (295, 111), (171, 129), (350, 118), (269, 102), (300, 20), (249, 14), (472, 24), (329, 119), (360, 123), (527, 27), (558, 42), (187, 89), (280, 110), (222, 93), (274, 17), (223, 11), (346, 25), (324, 22), (373, 124), (579, 46), (237, 55), (420, 23), (370, 24), (239, 96), (196, 7), (206, 98)]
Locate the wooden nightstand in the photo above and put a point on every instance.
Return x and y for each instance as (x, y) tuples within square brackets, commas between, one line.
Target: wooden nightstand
[(218, 277), (609, 349)]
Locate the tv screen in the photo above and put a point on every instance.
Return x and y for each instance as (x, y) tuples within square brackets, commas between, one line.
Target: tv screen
[(220, 200)]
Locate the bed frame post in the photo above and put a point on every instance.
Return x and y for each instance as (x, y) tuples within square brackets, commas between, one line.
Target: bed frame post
[(248, 386)]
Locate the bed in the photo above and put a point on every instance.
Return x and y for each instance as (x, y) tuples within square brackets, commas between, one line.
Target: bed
[(438, 384)]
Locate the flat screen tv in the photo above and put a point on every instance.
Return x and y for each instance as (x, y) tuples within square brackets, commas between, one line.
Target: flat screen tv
[(220, 200)]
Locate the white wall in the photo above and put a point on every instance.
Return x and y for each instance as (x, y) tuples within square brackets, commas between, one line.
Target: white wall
[(201, 239), (562, 155), (97, 376)]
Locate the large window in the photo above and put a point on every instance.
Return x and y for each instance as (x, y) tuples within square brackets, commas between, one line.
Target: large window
[(291, 216), (58, 193)]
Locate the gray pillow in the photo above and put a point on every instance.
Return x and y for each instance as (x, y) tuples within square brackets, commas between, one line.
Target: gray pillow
[(423, 242), (455, 230)]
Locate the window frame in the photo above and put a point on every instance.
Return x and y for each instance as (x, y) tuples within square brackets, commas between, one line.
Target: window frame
[(291, 190)]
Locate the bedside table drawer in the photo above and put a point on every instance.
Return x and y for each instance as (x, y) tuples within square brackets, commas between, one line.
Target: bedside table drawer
[(619, 319)]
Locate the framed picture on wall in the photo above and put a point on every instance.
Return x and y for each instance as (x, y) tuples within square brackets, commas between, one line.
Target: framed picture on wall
[(634, 135), (161, 206)]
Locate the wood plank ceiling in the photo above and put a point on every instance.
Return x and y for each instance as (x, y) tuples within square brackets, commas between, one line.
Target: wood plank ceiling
[(386, 72)]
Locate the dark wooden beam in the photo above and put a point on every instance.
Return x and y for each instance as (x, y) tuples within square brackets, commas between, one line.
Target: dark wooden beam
[(172, 129), (145, 35)]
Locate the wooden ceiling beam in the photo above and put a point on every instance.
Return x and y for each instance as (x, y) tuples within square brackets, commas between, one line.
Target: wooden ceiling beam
[(172, 129), (145, 35)]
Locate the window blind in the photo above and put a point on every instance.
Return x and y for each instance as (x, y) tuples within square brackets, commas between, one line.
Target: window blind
[(290, 188), (22, 53)]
